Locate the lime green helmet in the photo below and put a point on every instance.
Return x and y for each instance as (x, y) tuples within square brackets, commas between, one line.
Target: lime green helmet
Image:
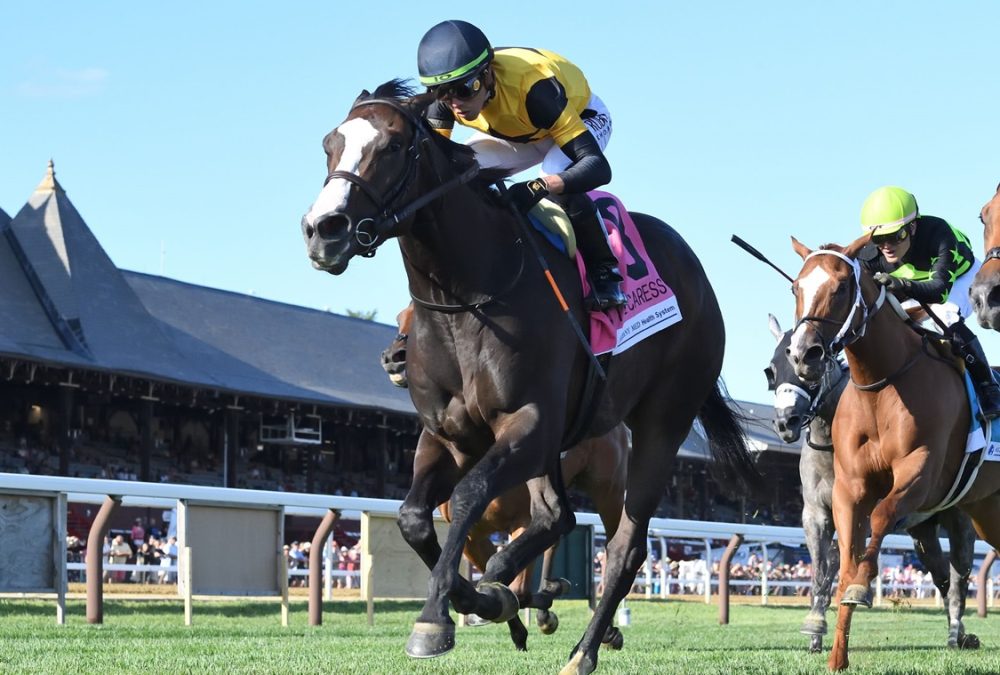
[(887, 210)]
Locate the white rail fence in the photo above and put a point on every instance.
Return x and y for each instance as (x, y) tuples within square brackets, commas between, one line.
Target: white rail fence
[(703, 534)]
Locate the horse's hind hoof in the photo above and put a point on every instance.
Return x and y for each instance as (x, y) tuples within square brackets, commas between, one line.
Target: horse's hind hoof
[(509, 604), (967, 641), (430, 639), (556, 587), (475, 621), (579, 665), (548, 623), (613, 639), (856, 594)]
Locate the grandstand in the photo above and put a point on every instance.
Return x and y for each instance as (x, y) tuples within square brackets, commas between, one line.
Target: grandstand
[(118, 374)]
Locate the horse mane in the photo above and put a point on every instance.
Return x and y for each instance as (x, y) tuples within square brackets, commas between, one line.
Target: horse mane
[(458, 155)]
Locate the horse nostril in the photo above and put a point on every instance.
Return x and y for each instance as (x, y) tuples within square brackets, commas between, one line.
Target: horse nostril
[(814, 353), (794, 422), (331, 225), (309, 231)]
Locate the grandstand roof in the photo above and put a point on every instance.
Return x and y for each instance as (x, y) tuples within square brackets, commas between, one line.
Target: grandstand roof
[(65, 303)]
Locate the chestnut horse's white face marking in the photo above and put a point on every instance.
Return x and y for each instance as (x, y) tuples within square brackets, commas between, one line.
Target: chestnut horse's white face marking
[(809, 286), (359, 135)]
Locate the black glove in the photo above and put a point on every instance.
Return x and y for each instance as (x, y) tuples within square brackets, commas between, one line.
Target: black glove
[(894, 284), (525, 195)]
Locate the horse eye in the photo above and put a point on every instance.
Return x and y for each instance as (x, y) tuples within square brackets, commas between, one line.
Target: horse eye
[(395, 146)]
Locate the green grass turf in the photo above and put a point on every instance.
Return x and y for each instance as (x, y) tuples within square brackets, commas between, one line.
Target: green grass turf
[(146, 636)]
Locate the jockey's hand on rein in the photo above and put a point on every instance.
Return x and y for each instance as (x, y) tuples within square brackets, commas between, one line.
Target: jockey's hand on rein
[(894, 284), (525, 195)]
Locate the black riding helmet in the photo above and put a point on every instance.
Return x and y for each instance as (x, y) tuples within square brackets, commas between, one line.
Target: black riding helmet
[(450, 51)]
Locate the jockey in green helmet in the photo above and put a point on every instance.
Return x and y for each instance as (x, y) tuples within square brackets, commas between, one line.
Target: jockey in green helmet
[(923, 258)]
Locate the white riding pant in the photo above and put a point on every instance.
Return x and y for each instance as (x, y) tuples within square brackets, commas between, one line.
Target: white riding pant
[(494, 153), (958, 303)]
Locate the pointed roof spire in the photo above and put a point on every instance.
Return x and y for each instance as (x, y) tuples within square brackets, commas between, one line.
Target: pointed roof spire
[(49, 183)]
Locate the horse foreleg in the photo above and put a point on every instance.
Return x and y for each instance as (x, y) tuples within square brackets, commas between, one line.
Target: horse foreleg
[(851, 507), (928, 548), (962, 539), (516, 455), (817, 522)]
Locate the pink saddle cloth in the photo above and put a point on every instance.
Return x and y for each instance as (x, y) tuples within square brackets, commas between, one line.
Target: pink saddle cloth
[(652, 305)]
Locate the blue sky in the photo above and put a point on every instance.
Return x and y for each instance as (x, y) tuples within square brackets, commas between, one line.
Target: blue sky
[(195, 128)]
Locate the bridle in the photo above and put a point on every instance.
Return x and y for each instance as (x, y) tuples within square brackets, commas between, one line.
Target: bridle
[(848, 333), (369, 231), (814, 396)]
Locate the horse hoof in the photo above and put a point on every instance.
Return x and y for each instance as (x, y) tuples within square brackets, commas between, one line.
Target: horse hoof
[(556, 587), (816, 644), (578, 665), (967, 641), (430, 639), (813, 626), (613, 639), (549, 624), (856, 594), (509, 604), (475, 621)]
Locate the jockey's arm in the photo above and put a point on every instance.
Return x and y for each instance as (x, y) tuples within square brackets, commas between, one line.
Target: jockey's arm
[(548, 108), (440, 118), (937, 288)]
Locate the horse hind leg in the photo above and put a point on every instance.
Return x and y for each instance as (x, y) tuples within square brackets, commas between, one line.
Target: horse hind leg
[(654, 448), (962, 539)]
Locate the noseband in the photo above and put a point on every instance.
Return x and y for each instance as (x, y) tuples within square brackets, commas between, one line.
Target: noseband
[(847, 334), (368, 231)]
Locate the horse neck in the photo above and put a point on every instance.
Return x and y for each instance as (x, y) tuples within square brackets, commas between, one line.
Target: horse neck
[(821, 426), (886, 346), (460, 249)]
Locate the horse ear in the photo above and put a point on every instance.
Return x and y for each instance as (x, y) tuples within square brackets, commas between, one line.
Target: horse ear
[(775, 327), (800, 248), (852, 249), (363, 95)]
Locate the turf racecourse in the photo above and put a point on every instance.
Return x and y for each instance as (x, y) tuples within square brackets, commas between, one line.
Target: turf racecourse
[(149, 636)]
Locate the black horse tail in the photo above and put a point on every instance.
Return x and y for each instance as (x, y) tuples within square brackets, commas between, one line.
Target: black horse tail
[(724, 425)]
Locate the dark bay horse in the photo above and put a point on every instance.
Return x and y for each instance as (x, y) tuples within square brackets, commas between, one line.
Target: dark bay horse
[(495, 369), (811, 406), (985, 290), (900, 429), (598, 466)]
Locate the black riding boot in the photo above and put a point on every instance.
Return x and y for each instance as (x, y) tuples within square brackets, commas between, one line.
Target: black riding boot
[(592, 242), (979, 369)]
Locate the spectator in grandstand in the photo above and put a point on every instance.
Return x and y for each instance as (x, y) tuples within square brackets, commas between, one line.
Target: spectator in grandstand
[(145, 555), (168, 557), (138, 534), (119, 555)]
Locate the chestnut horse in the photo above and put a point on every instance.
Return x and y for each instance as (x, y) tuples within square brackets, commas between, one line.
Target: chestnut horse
[(811, 405), (598, 466), (985, 290), (900, 429), (495, 368)]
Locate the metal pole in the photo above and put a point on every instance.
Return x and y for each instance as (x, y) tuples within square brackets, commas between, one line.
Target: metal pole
[(879, 589), (95, 559), (982, 590), (316, 567), (727, 556), (664, 569)]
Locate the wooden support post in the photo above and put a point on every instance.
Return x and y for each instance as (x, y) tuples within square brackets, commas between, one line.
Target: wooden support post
[(95, 559), (316, 566), (283, 571), (982, 584), (187, 579), (727, 556)]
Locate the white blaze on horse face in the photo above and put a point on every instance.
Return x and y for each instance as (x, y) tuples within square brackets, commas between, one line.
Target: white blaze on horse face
[(809, 286), (359, 135)]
